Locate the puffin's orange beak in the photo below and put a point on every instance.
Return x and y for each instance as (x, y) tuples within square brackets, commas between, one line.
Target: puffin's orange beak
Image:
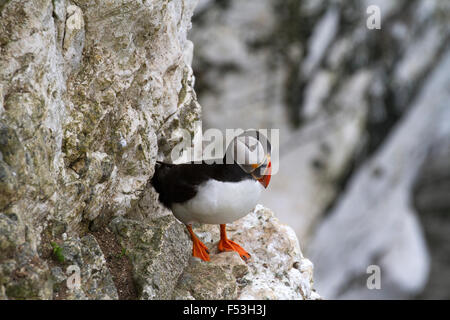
[(267, 174)]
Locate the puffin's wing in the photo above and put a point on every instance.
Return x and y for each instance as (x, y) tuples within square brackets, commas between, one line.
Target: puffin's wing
[(177, 183)]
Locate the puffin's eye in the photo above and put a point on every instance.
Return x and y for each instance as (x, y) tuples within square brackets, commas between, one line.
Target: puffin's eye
[(252, 147)]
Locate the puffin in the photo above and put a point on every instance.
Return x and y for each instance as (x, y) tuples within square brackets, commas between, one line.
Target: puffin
[(216, 191)]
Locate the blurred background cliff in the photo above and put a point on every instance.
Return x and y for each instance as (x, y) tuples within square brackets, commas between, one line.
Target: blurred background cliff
[(364, 119)]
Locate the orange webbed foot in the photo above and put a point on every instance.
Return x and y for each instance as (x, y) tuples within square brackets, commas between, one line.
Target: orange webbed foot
[(226, 244), (199, 249)]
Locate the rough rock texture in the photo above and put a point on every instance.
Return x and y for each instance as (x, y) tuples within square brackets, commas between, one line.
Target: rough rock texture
[(159, 251), (276, 270), (91, 94), (96, 280), (87, 90)]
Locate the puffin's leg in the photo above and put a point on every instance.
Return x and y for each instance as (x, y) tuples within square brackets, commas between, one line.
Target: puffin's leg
[(199, 249), (226, 244)]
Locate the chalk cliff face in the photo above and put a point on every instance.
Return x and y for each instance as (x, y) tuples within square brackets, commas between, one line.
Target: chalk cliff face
[(277, 268), (90, 94)]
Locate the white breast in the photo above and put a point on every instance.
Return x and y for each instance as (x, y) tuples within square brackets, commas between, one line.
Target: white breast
[(219, 202)]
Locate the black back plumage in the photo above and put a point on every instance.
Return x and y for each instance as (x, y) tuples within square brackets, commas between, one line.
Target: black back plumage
[(178, 183)]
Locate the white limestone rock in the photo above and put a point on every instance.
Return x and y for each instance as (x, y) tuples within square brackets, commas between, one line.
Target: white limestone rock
[(277, 268)]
